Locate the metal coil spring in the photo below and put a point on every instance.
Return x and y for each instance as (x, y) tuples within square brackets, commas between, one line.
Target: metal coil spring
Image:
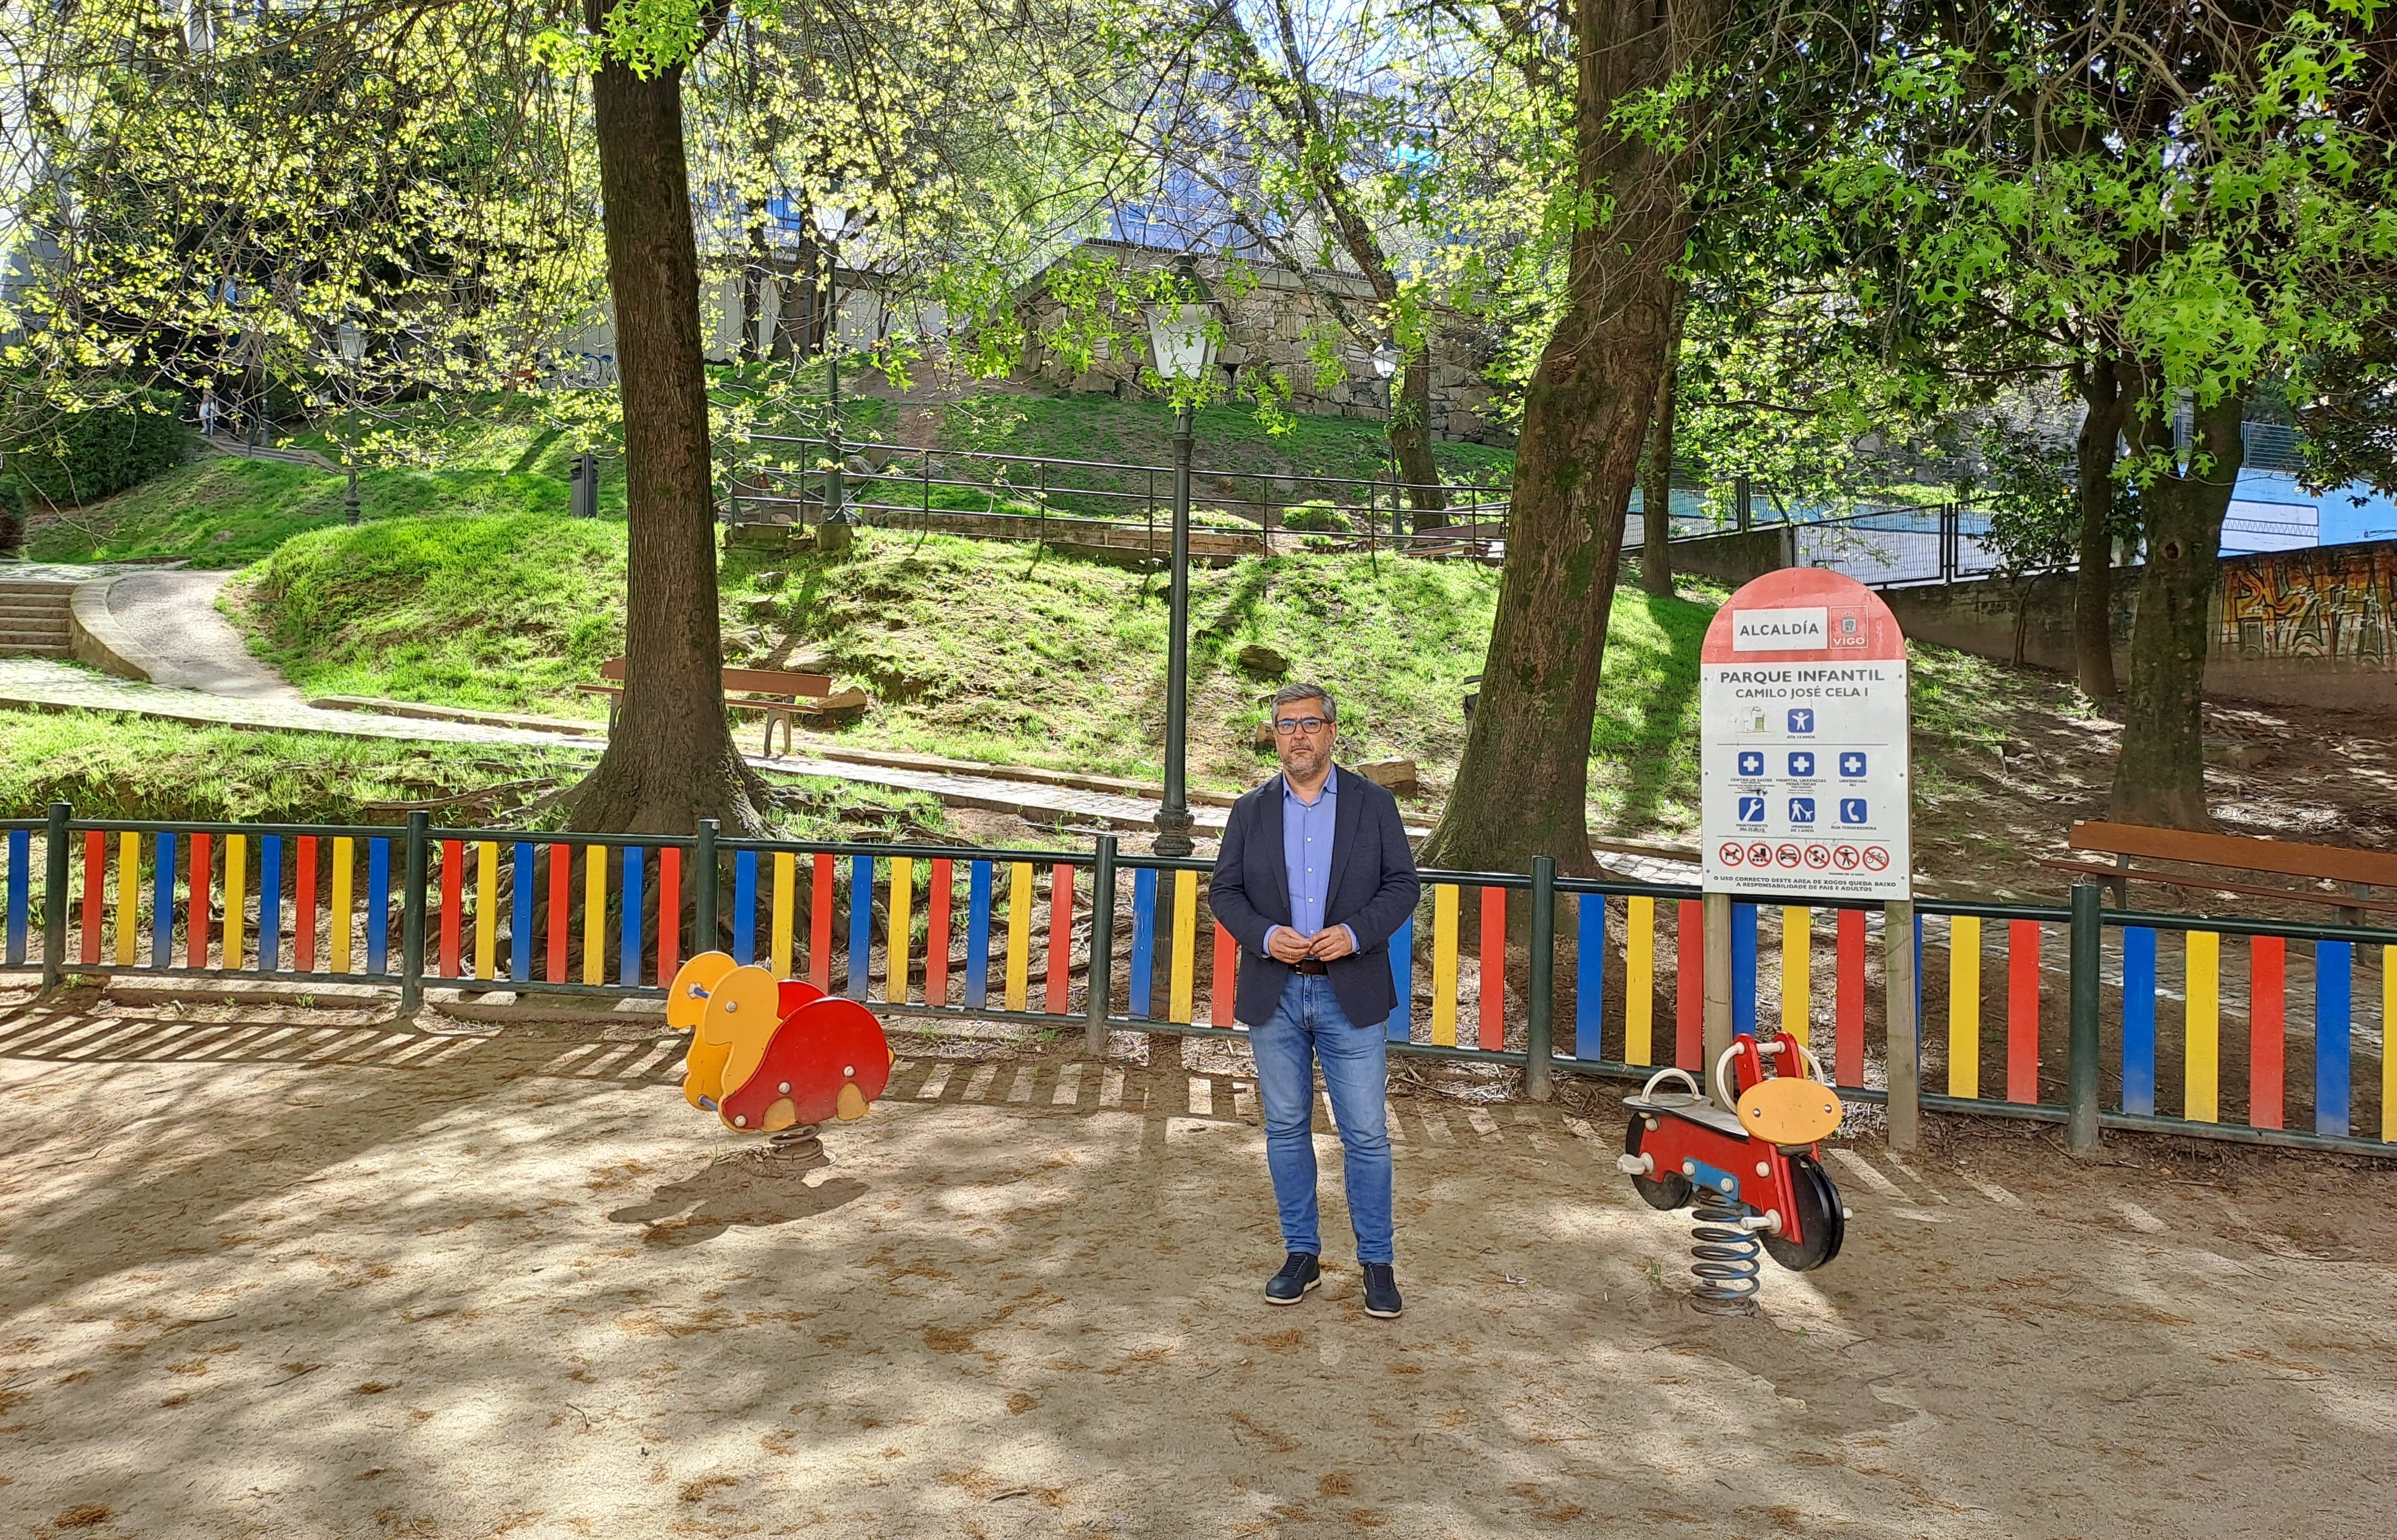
[(1725, 1259)]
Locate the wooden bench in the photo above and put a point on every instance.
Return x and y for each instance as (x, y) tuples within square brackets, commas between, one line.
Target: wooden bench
[(2359, 872), (782, 694)]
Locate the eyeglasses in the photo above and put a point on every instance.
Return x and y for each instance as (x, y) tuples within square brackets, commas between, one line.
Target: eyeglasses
[(1309, 725)]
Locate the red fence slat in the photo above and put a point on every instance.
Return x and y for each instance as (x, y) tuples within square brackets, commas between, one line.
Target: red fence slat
[(1848, 1004), (2267, 1030), (2022, 1010)]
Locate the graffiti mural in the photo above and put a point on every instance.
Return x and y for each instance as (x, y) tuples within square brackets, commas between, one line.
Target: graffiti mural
[(2333, 604)]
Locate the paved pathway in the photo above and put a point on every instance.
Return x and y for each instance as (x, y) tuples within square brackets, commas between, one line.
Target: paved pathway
[(170, 620)]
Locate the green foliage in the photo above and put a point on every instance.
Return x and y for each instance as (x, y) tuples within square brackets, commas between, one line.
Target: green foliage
[(12, 515), (113, 766), (1317, 517), (109, 765), (94, 447), (2031, 488), (2034, 506)]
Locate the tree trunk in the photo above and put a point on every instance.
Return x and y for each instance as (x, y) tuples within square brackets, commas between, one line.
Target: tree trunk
[(1411, 440), (2160, 775), (1657, 483), (790, 316), (2093, 582), (755, 322), (671, 759), (800, 298), (1522, 786)]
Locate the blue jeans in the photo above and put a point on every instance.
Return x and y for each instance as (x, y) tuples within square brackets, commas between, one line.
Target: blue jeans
[(1308, 1028)]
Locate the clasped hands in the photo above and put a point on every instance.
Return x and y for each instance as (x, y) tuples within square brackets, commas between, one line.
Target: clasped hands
[(1285, 944)]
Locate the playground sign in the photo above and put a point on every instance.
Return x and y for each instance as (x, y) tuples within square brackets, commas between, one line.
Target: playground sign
[(1802, 748)]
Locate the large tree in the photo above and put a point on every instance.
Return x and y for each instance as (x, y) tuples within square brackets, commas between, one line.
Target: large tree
[(1652, 121), (670, 760), (2199, 198)]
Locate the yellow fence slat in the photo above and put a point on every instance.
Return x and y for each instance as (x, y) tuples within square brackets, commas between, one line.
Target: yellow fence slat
[(1443, 964), (2201, 1093), (1019, 933), (1186, 945), (785, 899), (128, 895), (594, 914), (903, 919), (1797, 970), (487, 909), (1964, 1006), (236, 897), (1640, 981), (344, 859)]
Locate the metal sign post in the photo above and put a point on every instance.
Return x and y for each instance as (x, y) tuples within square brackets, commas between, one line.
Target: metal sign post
[(1805, 771)]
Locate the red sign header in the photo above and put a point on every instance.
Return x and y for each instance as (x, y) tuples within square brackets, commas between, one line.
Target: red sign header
[(1804, 615)]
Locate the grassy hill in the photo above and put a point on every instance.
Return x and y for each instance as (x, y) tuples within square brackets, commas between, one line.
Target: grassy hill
[(495, 456), (971, 649)]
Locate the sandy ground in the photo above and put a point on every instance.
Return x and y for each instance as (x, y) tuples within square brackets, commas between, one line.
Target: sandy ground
[(272, 1272)]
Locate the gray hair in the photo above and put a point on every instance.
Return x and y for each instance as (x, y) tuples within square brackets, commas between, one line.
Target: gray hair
[(1303, 689)]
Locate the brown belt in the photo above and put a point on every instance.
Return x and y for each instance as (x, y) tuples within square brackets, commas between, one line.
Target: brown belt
[(1308, 964)]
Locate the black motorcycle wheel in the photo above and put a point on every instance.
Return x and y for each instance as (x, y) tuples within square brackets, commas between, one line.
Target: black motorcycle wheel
[(1668, 1190), (1819, 1218)]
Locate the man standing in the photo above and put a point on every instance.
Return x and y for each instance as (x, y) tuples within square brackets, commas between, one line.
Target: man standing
[(1313, 878)]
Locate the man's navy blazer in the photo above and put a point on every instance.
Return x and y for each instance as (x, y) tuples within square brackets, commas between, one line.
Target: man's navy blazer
[(1372, 892)]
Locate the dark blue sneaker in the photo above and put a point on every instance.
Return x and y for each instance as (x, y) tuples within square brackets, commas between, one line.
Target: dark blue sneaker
[(1382, 1290), (1299, 1274)]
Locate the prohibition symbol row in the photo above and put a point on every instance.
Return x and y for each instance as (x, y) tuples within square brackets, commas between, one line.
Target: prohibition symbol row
[(1790, 855)]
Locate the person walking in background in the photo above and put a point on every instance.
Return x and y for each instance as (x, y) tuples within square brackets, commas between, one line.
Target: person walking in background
[(208, 411), (1313, 879)]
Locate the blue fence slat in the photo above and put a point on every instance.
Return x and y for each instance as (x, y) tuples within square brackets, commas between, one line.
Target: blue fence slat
[(1589, 978), (978, 935), (861, 923), (1144, 941), (378, 906), (270, 904), (1918, 986), (745, 907), (2139, 1020), (2333, 1016), (1401, 1024), (1742, 970), (520, 938), (628, 956), (162, 905), (20, 856)]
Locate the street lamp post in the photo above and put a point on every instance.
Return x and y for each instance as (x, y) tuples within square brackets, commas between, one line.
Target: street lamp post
[(1182, 341), (353, 343), (1386, 364), (835, 225)]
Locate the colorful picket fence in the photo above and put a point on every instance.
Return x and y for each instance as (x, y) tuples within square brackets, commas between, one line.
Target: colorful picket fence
[(2199, 1040)]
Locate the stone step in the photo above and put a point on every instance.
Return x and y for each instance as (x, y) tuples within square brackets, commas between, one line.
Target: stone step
[(19, 589), (40, 631), (32, 649), (27, 605)]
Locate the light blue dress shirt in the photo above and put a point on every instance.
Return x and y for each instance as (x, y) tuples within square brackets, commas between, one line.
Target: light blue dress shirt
[(1307, 854)]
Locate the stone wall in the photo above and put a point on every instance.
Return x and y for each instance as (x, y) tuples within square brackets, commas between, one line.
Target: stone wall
[(2314, 627), (1735, 556), (1269, 326)]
